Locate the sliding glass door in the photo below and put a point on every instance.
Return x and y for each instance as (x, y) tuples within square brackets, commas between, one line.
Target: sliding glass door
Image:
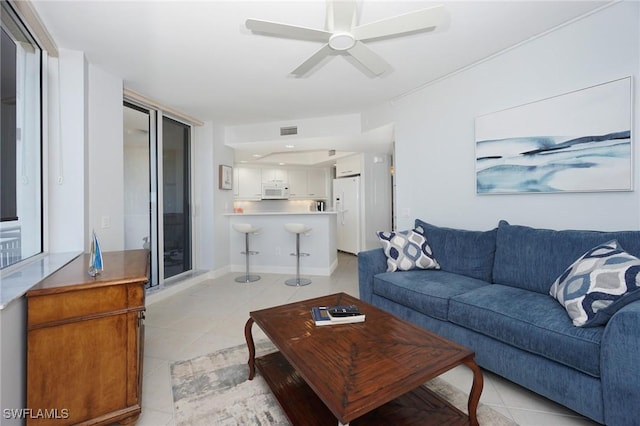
[(157, 167), (176, 197)]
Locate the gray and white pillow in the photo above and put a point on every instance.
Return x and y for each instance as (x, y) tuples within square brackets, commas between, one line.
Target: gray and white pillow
[(598, 284), (406, 251)]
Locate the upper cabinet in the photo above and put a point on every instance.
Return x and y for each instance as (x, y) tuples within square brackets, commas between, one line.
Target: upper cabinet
[(247, 183), (308, 184), (348, 166), (318, 180), (274, 176), (298, 185), (303, 183), (236, 182)]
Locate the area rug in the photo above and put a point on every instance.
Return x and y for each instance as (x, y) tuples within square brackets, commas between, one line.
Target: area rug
[(213, 390)]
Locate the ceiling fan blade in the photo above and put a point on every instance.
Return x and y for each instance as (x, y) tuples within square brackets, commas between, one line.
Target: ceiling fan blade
[(312, 61), (286, 30), (340, 15), (424, 19), (369, 58)]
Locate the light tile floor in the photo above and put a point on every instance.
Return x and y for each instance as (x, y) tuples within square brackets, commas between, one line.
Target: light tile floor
[(211, 315)]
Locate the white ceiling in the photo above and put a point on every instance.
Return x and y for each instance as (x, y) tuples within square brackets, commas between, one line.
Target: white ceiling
[(197, 56)]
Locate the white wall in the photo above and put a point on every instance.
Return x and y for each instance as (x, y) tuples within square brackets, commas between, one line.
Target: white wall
[(13, 359), (89, 164), (85, 155), (435, 153), (106, 159), (67, 211), (212, 228)]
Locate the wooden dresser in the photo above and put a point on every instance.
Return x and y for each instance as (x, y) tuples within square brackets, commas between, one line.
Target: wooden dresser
[(85, 340)]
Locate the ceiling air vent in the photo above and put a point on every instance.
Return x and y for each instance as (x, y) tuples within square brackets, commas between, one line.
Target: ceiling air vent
[(286, 131)]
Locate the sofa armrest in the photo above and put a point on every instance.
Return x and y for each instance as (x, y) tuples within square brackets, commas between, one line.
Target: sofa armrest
[(619, 361), (370, 263)]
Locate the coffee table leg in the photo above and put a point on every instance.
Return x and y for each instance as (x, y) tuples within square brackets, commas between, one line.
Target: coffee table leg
[(476, 390), (252, 348)]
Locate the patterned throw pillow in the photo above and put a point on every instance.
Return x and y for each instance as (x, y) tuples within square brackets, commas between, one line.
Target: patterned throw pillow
[(406, 251), (597, 285)]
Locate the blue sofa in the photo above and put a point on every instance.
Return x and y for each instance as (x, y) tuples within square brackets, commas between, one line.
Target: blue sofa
[(492, 295)]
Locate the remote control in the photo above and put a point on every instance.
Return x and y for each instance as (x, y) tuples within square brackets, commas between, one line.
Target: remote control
[(344, 311)]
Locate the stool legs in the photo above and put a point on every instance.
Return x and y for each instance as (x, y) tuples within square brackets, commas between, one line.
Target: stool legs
[(247, 278), (297, 281)]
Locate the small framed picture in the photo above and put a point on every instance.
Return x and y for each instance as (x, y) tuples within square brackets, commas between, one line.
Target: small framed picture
[(225, 177)]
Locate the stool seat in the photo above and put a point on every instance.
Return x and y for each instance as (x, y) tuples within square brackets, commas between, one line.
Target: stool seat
[(246, 228), (297, 228)]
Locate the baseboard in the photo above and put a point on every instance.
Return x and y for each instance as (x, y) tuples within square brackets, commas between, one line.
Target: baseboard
[(165, 291), (285, 270)]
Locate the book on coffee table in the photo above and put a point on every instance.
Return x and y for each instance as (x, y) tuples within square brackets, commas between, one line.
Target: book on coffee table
[(331, 315)]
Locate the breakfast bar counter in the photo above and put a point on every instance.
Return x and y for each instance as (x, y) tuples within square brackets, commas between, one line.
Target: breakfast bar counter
[(275, 244)]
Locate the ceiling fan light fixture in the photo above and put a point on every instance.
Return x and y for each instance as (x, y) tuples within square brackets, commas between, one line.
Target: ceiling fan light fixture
[(341, 41)]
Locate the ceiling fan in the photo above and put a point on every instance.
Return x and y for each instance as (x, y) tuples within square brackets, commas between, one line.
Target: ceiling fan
[(343, 36)]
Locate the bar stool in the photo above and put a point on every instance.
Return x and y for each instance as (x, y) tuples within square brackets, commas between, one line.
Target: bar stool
[(297, 228), (246, 229)]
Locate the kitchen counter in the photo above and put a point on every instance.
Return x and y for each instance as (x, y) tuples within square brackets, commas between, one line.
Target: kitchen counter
[(279, 213), (275, 243)]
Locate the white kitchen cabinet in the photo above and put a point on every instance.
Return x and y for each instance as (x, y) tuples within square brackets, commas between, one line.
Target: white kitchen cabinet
[(249, 183), (274, 176), (308, 183), (317, 184), (298, 185), (236, 182), (348, 166), (303, 183)]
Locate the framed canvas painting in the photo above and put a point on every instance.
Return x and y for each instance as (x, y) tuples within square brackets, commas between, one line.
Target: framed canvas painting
[(225, 177), (575, 142)]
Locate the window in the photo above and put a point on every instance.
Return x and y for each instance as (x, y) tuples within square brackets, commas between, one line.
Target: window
[(21, 142)]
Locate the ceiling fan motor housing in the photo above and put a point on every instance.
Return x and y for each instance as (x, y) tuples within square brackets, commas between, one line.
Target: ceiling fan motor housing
[(341, 41)]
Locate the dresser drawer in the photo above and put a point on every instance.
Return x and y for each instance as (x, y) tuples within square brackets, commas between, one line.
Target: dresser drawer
[(88, 303)]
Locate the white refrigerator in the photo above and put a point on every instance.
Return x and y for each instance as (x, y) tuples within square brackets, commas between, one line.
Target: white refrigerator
[(346, 202)]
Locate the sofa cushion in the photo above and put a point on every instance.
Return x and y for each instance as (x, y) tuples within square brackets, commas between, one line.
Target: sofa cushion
[(533, 258), (406, 251), (598, 284), (426, 291), (530, 321), (460, 251)]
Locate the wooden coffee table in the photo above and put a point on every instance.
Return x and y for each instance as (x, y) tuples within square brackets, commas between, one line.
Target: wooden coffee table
[(366, 373)]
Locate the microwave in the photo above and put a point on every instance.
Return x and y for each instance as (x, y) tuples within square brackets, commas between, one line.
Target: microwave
[(275, 191)]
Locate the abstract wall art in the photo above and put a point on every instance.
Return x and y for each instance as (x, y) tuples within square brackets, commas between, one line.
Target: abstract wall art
[(575, 142), (225, 177)]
